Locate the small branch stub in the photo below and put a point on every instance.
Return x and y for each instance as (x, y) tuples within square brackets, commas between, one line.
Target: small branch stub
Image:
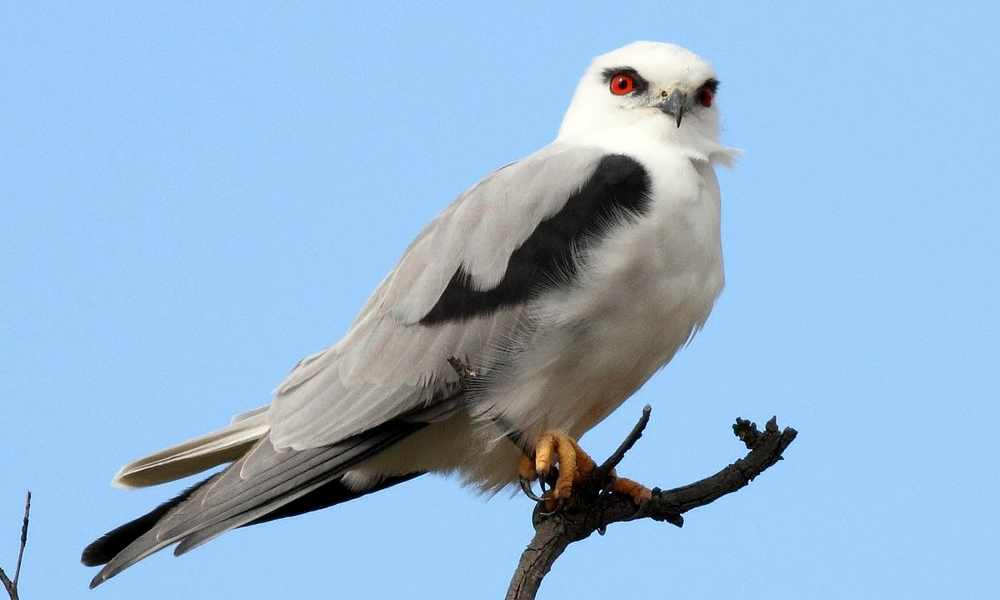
[(609, 465)]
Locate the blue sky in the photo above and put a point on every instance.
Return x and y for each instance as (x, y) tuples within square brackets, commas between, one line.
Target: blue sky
[(194, 197)]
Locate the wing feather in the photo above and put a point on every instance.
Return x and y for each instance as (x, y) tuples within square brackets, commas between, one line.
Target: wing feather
[(246, 491), (389, 363), (196, 455), (465, 289)]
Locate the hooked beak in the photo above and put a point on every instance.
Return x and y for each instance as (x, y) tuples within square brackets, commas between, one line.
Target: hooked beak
[(673, 105)]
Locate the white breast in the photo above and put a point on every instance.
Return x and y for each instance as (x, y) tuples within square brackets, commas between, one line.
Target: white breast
[(646, 289)]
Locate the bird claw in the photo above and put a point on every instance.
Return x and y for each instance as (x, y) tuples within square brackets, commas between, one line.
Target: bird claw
[(545, 500), (526, 488), (575, 467)]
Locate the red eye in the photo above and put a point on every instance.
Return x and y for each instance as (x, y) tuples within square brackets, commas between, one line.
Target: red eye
[(705, 96), (622, 84)]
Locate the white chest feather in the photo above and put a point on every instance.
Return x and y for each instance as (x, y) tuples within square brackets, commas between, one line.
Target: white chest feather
[(645, 290)]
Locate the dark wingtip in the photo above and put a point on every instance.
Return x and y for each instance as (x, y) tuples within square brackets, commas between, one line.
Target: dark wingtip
[(106, 547), (99, 551)]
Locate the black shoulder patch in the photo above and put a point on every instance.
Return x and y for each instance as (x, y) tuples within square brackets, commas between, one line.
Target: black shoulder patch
[(618, 188)]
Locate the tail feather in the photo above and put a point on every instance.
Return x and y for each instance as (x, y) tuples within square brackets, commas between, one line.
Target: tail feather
[(196, 455), (259, 486), (329, 494), (113, 542)]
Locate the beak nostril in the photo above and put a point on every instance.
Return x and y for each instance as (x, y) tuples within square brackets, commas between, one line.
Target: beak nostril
[(674, 105)]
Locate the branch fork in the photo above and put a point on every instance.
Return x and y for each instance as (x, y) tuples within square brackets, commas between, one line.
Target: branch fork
[(589, 509), (10, 585)]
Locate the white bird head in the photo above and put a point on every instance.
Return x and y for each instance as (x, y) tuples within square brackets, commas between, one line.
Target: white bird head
[(659, 89)]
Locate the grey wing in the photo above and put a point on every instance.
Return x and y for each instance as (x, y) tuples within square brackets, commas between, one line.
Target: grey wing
[(394, 359), (257, 484), (463, 289)]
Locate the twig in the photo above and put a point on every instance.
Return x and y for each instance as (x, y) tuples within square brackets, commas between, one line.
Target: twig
[(8, 584), (588, 510), (601, 472), (24, 538)]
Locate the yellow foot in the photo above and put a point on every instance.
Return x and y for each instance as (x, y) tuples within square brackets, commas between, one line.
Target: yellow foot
[(575, 467), (627, 487), (574, 464)]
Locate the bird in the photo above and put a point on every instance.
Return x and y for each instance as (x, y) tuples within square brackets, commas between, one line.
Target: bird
[(521, 316)]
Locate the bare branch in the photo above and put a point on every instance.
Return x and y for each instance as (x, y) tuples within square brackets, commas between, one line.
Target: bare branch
[(609, 465), (8, 584), (24, 538), (588, 510)]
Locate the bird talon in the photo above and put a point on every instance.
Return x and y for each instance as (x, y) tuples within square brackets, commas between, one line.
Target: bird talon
[(526, 488), (575, 468), (556, 448)]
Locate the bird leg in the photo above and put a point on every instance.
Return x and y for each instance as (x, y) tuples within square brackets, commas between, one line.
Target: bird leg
[(575, 467)]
